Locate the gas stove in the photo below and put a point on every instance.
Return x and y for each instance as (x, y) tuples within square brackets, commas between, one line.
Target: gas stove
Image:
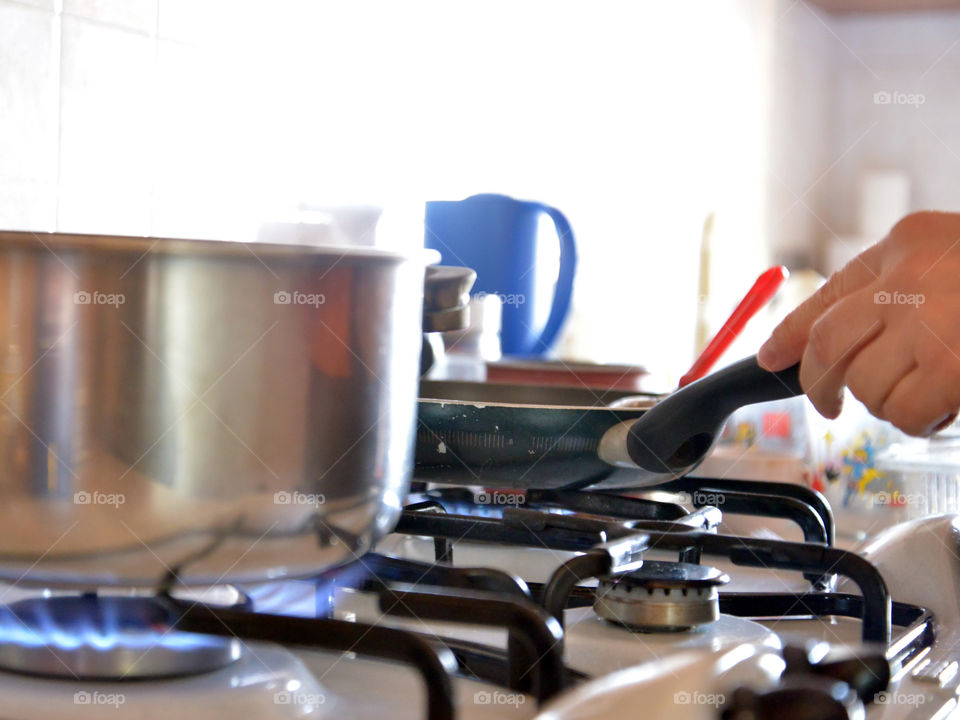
[(547, 604)]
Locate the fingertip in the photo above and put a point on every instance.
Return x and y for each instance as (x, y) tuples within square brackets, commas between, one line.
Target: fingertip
[(770, 356), (832, 413), (765, 355), (946, 422), (836, 407), (829, 407)]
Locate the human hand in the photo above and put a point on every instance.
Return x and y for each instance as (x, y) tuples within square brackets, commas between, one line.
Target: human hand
[(887, 326)]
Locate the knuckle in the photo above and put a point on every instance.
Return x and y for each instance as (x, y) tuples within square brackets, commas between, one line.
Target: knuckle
[(895, 417), (916, 222), (936, 359), (904, 416), (820, 343), (891, 411), (920, 238), (934, 354), (785, 331), (864, 391), (833, 289), (944, 379), (823, 388), (936, 348)]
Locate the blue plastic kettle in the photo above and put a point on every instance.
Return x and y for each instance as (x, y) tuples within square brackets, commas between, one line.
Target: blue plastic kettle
[(497, 236)]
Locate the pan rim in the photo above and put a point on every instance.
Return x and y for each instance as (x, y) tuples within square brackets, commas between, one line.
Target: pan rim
[(481, 405)]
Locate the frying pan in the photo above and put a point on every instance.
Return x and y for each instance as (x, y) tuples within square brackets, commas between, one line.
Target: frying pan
[(578, 440)]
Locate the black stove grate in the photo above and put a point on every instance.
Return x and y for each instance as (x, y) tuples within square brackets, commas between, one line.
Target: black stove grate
[(612, 533)]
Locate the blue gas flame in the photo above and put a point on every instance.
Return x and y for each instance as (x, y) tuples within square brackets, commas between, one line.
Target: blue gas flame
[(71, 623)]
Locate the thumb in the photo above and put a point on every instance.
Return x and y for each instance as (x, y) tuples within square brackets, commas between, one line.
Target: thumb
[(788, 340)]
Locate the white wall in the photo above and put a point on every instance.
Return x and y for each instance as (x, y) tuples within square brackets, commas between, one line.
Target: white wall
[(803, 64), (201, 117), (915, 54), (829, 132)]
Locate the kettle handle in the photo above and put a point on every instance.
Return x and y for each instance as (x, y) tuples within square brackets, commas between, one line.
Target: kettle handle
[(564, 290)]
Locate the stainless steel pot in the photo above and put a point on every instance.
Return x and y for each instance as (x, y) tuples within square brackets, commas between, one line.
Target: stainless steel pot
[(230, 412)]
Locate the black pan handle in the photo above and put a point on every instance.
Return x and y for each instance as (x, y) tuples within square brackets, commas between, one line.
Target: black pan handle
[(676, 433)]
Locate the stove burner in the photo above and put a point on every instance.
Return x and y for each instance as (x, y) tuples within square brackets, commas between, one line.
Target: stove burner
[(104, 637), (661, 597)]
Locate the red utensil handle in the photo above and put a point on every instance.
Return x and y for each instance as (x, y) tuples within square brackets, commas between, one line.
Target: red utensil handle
[(759, 295)]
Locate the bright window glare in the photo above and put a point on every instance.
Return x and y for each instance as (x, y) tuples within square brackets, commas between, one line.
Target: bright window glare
[(636, 119)]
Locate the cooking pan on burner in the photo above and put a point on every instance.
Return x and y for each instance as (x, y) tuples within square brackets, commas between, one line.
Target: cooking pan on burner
[(468, 433), (234, 412)]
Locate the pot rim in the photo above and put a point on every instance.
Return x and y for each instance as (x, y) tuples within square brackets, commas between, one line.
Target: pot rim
[(50, 241)]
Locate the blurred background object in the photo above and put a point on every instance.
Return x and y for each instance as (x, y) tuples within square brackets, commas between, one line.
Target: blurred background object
[(757, 297), (500, 238), (345, 225), (922, 477)]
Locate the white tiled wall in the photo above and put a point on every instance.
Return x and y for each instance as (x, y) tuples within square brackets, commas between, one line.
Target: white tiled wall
[(75, 93), (113, 117), (107, 120), (29, 111)]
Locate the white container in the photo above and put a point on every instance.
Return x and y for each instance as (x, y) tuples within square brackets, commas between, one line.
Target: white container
[(884, 199), (925, 475)]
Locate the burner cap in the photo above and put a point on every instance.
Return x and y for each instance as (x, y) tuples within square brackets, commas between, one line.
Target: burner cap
[(661, 597), (97, 637)]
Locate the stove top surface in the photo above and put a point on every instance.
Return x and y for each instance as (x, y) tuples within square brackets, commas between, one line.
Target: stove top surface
[(475, 611)]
